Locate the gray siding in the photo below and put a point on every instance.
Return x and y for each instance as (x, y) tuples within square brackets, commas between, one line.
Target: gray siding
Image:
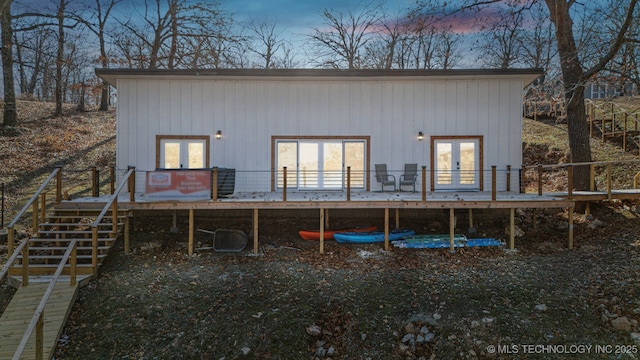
[(249, 112)]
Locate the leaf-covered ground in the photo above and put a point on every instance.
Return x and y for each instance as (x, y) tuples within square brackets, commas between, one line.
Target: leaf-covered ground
[(353, 302)]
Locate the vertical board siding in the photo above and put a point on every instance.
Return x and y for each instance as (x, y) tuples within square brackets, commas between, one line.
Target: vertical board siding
[(249, 112)]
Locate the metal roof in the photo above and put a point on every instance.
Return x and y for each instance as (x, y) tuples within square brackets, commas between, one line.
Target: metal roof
[(112, 75)]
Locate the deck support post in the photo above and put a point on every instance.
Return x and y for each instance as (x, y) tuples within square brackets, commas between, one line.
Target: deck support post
[(40, 337), (471, 228), (348, 183), (386, 229), (326, 218), (10, 238), (214, 184), (493, 182), (512, 228), (94, 250), (73, 264), (191, 221), (34, 217), (539, 180), (112, 178), (570, 228), (397, 218), (452, 230), (534, 220), (255, 231), (59, 185), (424, 183), (570, 183), (609, 181), (95, 181), (284, 183), (132, 184), (126, 233), (322, 219), (25, 263), (114, 218), (43, 206)]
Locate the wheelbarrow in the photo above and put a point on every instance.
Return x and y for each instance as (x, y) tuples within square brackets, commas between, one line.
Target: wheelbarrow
[(226, 240)]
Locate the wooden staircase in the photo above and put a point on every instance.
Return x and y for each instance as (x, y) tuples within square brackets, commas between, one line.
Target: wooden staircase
[(48, 245), (612, 121)]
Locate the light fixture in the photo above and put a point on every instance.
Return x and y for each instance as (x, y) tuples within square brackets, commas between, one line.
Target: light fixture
[(218, 134), (420, 136)]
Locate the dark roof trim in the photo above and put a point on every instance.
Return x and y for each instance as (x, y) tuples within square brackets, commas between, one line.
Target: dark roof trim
[(111, 75)]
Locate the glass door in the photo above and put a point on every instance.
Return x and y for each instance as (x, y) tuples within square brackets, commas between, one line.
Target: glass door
[(456, 164)]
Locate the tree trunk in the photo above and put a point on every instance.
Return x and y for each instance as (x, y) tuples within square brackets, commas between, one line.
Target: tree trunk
[(60, 58), (10, 116), (104, 98), (572, 75)]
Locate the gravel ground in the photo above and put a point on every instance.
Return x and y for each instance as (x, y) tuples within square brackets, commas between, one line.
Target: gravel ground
[(541, 301)]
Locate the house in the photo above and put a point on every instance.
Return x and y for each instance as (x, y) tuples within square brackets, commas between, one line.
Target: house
[(318, 122)]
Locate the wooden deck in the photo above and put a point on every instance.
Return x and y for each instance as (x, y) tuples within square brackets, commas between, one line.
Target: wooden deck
[(16, 318)]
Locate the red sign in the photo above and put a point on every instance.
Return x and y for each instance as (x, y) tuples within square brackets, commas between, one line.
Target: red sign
[(185, 185)]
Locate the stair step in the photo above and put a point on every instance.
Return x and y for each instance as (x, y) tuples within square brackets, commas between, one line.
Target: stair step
[(78, 232), (66, 240), (86, 247), (102, 224), (100, 256)]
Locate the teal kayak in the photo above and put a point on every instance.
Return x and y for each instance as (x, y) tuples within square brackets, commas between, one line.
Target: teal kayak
[(371, 237), (443, 242)]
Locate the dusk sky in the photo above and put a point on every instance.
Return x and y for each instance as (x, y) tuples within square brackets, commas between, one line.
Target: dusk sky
[(298, 17)]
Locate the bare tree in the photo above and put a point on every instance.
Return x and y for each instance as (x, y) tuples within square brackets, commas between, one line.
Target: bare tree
[(501, 47), (447, 52), (97, 23), (10, 115), (574, 71), (537, 41), (346, 35), (267, 41), (182, 33)]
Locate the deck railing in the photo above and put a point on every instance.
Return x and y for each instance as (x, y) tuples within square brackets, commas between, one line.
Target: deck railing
[(348, 181), (604, 176), (112, 204)]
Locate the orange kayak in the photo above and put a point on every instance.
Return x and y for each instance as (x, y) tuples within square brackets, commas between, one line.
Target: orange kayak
[(328, 233)]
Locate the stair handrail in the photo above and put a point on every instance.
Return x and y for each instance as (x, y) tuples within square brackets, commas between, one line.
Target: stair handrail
[(113, 197), (12, 259), (53, 174), (37, 320)]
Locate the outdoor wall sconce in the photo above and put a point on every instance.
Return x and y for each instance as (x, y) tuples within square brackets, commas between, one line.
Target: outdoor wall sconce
[(420, 136), (218, 134)]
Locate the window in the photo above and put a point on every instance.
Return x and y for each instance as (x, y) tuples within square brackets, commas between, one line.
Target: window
[(182, 152), (320, 164)]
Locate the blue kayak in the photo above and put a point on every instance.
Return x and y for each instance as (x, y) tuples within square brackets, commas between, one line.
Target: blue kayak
[(371, 237)]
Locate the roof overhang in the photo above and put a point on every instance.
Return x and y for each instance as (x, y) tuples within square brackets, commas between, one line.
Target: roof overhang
[(113, 75)]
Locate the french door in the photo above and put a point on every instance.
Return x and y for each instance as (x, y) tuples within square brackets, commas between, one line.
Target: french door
[(318, 164), (456, 164), (183, 153)]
